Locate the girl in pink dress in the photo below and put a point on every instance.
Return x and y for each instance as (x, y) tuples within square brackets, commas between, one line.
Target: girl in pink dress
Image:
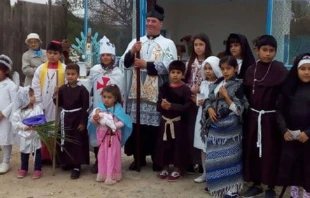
[(110, 141)]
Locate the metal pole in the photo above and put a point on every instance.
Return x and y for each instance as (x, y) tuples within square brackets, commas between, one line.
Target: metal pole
[(269, 17), (85, 16)]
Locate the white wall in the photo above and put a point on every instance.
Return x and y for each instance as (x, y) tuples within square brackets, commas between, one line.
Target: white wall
[(216, 19)]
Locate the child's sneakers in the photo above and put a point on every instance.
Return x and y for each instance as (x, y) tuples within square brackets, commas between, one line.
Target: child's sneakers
[(21, 174), (37, 174), (174, 176), (202, 178), (163, 175), (4, 168)]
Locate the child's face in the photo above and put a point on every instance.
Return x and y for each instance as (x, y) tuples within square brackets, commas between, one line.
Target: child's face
[(108, 99), (106, 59), (71, 76), (53, 56), (175, 76), (235, 50), (228, 71), (266, 53), (199, 47), (208, 72), (3, 73), (32, 97), (304, 73)]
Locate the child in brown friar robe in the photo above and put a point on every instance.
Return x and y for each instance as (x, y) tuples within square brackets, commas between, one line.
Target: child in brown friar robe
[(263, 81), (174, 101), (74, 100)]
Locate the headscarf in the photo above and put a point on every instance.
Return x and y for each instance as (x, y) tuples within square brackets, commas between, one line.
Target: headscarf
[(247, 55), (214, 63), (22, 99), (292, 81)]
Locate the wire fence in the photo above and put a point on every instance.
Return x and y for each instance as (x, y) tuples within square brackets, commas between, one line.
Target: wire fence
[(290, 26)]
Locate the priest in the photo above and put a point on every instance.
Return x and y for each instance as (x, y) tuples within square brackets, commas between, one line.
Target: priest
[(156, 53)]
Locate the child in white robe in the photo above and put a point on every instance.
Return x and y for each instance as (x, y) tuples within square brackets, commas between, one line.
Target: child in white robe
[(210, 72), (30, 142), (7, 93), (45, 79)]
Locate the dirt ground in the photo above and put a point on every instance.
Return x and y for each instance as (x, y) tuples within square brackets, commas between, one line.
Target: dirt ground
[(133, 185)]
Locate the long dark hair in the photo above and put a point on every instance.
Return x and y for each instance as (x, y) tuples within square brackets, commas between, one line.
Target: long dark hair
[(229, 60), (114, 90), (292, 81), (208, 52)]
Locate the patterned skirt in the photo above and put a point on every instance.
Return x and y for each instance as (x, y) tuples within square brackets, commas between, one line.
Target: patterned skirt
[(224, 160)]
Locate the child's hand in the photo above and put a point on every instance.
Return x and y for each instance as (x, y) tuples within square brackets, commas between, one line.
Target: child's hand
[(194, 98), (165, 104), (81, 127), (288, 136), (223, 92), (302, 137), (201, 102), (212, 114), (1, 115), (28, 128), (96, 117), (195, 89), (56, 89)]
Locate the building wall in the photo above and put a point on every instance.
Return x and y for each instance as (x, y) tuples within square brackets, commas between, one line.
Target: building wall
[(215, 18)]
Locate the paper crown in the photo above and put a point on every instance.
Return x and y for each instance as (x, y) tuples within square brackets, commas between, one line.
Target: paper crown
[(106, 47)]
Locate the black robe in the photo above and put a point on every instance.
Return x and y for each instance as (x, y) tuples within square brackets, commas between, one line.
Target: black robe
[(73, 98), (263, 169), (173, 151), (294, 114)]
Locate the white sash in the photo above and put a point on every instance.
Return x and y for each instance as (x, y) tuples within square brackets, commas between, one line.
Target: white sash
[(259, 128), (63, 132)]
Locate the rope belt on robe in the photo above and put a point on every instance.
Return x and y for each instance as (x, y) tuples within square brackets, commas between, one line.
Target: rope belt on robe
[(171, 124), (259, 128), (62, 118)]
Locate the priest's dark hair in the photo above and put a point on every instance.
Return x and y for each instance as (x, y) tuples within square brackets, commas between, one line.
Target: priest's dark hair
[(54, 46), (246, 52), (292, 81), (177, 65), (266, 40), (208, 52), (114, 90), (73, 66), (229, 60)]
